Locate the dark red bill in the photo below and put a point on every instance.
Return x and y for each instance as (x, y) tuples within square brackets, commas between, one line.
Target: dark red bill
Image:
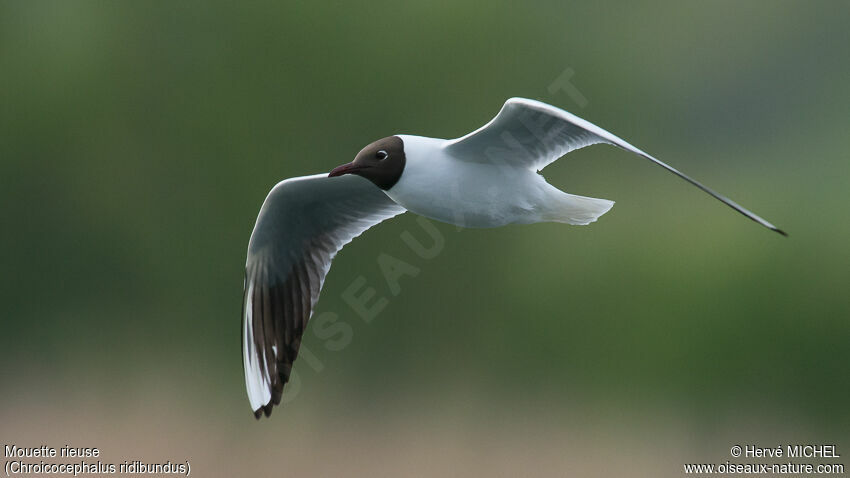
[(344, 169)]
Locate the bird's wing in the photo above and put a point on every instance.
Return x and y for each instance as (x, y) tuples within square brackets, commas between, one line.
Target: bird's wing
[(302, 224), (530, 134)]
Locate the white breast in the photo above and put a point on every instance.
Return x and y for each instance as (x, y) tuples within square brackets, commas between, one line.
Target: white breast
[(465, 193)]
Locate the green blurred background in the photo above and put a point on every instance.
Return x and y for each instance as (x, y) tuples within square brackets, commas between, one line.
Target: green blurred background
[(138, 140)]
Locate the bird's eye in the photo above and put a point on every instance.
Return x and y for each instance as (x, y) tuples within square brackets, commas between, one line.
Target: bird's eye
[(381, 154)]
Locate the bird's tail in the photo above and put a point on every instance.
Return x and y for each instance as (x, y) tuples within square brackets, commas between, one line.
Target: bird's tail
[(576, 210)]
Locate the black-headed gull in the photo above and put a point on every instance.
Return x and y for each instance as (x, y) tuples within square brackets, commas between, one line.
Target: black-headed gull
[(487, 178)]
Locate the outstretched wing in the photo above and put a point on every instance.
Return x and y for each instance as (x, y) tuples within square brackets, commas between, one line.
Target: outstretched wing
[(530, 134), (302, 224)]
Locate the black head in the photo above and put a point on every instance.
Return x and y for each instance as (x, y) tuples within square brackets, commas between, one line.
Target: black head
[(381, 162)]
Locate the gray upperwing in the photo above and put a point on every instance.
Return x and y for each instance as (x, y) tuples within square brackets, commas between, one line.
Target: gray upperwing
[(531, 134)]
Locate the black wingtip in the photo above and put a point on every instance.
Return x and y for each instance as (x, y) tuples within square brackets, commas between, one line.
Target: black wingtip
[(780, 231), (264, 410)]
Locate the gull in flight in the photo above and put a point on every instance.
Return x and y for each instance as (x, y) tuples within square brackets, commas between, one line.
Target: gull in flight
[(488, 178)]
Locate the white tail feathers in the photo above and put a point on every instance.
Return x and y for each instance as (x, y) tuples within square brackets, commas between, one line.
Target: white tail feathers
[(576, 210)]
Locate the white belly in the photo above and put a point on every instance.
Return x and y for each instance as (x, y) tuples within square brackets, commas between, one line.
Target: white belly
[(465, 193)]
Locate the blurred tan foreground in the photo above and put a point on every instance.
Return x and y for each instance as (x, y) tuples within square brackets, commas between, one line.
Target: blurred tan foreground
[(476, 438)]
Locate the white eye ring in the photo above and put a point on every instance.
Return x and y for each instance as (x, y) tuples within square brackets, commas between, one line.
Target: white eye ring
[(381, 155)]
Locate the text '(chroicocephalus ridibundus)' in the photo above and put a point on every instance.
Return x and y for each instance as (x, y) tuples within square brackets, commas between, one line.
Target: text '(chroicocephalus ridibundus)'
[(487, 178)]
